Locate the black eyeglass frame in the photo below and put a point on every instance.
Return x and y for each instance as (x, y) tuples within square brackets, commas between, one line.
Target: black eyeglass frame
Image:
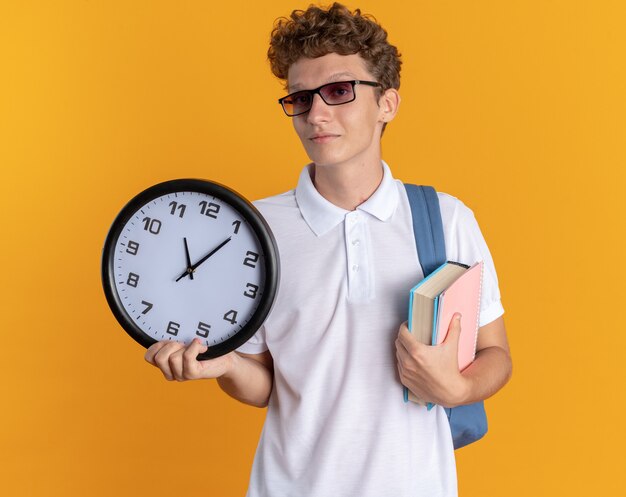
[(354, 82)]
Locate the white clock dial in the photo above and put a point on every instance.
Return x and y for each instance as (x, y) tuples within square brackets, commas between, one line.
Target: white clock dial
[(163, 292)]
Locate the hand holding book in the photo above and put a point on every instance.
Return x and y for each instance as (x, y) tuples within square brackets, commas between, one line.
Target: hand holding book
[(452, 288), (432, 373)]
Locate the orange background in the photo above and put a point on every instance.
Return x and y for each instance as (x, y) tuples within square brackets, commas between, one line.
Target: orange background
[(517, 108)]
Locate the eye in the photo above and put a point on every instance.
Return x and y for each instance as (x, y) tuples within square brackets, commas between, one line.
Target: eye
[(338, 92), (302, 98)]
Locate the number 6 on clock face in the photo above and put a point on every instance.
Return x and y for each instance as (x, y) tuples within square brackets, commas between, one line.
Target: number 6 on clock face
[(190, 259)]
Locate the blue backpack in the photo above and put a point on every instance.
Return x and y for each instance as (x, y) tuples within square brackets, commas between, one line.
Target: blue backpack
[(468, 423)]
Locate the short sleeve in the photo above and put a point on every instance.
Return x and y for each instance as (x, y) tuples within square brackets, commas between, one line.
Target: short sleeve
[(466, 244), (256, 344)]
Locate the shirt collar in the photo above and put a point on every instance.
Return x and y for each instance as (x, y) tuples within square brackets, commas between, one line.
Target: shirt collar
[(322, 215)]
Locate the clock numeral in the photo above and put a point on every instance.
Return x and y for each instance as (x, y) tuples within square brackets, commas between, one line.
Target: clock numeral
[(231, 317), (252, 292), (251, 260), (152, 225), (203, 329), (172, 328), (133, 280), (148, 307), (209, 209), (236, 224), (132, 248), (180, 207)]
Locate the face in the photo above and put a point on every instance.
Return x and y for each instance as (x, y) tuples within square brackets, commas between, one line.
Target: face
[(340, 134)]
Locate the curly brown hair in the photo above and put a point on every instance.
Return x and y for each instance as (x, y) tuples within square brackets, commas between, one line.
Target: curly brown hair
[(319, 31)]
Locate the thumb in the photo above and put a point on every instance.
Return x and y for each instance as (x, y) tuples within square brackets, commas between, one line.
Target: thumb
[(193, 349), (197, 343), (454, 329)]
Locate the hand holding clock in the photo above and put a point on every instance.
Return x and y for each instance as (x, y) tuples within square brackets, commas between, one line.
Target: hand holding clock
[(179, 362), (245, 377)]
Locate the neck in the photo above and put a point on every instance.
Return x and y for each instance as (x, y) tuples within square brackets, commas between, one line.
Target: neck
[(348, 185)]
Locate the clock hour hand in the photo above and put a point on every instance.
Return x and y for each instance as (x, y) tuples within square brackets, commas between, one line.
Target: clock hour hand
[(187, 257), (191, 269)]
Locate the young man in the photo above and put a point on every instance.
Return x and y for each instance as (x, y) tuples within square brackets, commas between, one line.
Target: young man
[(332, 357)]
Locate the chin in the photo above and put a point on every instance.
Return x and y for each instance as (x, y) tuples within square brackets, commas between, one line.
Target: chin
[(326, 160)]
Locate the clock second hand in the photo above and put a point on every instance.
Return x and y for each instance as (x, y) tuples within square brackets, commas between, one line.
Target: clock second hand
[(191, 269)]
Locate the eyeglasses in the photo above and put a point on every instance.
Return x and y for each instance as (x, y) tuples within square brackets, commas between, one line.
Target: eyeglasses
[(338, 93)]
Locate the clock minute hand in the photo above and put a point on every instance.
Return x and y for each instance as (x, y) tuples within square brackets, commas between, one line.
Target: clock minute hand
[(191, 269), (195, 266)]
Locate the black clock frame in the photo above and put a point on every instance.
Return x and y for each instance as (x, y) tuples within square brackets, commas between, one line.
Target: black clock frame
[(252, 216)]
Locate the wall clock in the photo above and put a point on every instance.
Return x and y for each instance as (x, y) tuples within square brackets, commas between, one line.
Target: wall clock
[(190, 258)]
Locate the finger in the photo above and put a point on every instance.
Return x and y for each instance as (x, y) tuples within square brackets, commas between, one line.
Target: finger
[(400, 368), (407, 340), (404, 335), (191, 367), (175, 362), (399, 362), (153, 349), (402, 356), (161, 358)]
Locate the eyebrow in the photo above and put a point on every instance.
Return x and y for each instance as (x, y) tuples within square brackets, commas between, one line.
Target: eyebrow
[(331, 79)]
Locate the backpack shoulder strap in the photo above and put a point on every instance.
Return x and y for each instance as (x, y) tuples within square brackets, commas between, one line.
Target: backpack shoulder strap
[(427, 227), (468, 423)]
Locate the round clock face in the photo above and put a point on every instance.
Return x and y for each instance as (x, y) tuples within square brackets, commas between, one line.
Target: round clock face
[(190, 259)]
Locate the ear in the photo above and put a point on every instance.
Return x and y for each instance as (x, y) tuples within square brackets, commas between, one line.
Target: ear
[(388, 104)]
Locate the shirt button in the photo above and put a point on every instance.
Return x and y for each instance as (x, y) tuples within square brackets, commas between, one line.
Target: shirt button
[(356, 242), (355, 267)]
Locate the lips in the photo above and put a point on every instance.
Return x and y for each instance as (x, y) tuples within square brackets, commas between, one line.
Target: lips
[(323, 138)]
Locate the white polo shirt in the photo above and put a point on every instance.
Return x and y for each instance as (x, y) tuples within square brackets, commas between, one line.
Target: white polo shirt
[(336, 424)]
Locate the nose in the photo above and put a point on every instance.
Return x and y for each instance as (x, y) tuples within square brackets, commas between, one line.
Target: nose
[(319, 112)]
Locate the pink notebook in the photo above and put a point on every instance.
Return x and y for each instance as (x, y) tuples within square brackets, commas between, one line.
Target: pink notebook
[(462, 296)]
